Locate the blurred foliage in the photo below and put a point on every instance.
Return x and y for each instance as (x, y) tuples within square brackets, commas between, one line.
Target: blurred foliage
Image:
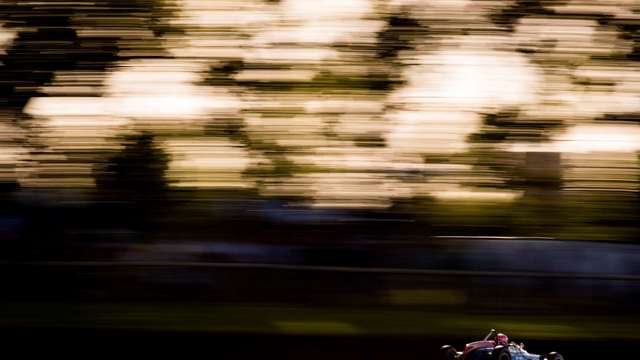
[(49, 39), (357, 128)]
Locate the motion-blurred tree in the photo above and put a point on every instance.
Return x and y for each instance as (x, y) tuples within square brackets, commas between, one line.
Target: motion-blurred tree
[(137, 172), (132, 185)]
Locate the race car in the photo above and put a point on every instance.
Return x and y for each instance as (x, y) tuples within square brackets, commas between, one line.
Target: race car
[(494, 346)]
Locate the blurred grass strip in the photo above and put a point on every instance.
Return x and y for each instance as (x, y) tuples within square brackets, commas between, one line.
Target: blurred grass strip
[(300, 320)]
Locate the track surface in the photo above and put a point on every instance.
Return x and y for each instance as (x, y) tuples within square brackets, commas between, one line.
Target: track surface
[(55, 310), (90, 343)]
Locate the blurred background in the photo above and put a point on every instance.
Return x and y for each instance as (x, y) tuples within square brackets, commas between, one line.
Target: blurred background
[(315, 178)]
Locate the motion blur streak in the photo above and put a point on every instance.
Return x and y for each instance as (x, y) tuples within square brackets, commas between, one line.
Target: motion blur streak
[(322, 167)]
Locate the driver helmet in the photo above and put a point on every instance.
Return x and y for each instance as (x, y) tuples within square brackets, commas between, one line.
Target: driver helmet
[(502, 339)]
